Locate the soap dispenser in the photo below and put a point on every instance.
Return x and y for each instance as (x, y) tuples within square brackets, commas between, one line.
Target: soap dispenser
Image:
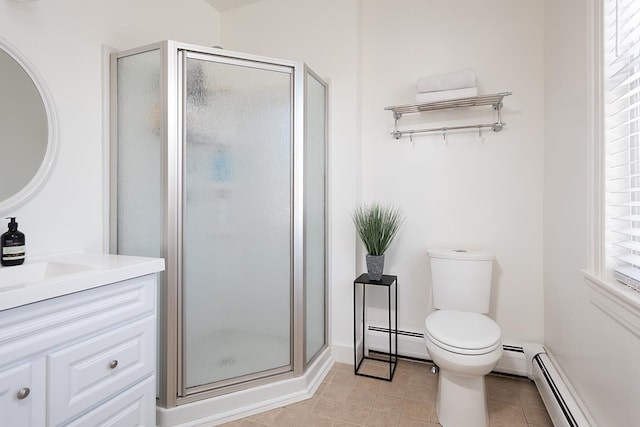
[(12, 245)]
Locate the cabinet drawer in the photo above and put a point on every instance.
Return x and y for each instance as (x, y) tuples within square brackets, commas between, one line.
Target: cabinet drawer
[(92, 371), (134, 407), (45, 325)]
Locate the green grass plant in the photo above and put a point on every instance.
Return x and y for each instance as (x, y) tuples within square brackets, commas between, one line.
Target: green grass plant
[(377, 226)]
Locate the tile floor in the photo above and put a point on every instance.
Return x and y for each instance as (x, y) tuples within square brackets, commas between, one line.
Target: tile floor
[(344, 399)]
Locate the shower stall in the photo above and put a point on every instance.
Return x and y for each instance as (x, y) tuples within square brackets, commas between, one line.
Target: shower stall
[(218, 165)]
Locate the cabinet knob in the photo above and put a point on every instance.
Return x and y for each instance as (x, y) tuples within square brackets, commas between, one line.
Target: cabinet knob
[(23, 393), (113, 364)]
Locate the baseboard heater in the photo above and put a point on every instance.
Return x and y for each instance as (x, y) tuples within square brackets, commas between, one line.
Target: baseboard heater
[(411, 346), (564, 408), (561, 402)]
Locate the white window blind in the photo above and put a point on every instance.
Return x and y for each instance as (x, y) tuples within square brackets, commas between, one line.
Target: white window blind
[(622, 137)]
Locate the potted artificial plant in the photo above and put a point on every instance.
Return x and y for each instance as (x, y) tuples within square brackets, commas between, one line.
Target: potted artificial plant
[(377, 226)]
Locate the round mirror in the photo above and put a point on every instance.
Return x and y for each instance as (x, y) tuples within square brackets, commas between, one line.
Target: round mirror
[(27, 130)]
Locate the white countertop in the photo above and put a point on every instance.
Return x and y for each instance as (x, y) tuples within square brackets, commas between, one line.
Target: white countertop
[(53, 276)]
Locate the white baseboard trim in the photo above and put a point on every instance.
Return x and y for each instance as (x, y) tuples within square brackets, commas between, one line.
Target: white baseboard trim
[(342, 353), (233, 406)]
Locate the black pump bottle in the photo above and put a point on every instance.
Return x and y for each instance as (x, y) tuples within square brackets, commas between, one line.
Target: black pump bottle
[(12, 244)]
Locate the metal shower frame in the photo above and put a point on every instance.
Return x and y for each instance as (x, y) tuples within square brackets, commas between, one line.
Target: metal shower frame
[(172, 390)]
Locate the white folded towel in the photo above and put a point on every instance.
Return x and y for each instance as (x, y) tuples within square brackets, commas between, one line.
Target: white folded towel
[(448, 81), (446, 95)]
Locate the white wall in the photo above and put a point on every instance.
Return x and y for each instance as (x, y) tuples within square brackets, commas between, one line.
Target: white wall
[(598, 355), (465, 193), (63, 40)]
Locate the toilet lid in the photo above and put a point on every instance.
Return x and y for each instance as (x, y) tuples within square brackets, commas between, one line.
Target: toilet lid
[(463, 332)]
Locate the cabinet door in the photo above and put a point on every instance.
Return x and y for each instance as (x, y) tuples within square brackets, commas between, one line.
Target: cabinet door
[(22, 393)]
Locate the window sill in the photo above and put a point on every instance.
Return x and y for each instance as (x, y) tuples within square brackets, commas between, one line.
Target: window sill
[(618, 301)]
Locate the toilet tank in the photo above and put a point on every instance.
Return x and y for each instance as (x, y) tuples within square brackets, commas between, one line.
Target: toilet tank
[(461, 279)]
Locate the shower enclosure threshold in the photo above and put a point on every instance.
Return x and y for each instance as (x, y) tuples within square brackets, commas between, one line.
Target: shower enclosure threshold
[(233, 406)]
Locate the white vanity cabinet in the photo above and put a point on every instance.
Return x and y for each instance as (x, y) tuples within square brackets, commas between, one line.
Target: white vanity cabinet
[(84, 359)]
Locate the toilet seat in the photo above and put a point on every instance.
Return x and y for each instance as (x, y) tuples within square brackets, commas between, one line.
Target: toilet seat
[(463, 332)]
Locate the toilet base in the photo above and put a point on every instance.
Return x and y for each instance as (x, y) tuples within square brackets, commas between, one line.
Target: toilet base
[(461, 401)]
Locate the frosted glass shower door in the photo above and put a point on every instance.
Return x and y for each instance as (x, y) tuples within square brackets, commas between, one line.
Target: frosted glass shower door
[(138, 150), (315, 102), (237, 220)]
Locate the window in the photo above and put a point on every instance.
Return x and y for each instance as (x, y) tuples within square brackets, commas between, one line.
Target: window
[(621, 51)]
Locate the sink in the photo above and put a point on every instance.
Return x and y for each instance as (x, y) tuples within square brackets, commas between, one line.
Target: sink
[(52, 276), (23, 275)]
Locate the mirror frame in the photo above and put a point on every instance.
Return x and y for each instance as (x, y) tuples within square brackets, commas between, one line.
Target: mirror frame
[(43, 173)]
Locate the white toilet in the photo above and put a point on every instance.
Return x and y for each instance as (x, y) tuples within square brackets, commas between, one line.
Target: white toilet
[(461, 340)]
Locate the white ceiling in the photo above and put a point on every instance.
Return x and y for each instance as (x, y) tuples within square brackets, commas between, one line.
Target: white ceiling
[(224, 5)]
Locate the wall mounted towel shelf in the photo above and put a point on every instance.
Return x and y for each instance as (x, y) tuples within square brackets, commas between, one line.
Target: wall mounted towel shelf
[(494, 100)]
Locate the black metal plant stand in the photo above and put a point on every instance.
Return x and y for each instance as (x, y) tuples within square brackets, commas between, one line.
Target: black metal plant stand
[(392, 357)]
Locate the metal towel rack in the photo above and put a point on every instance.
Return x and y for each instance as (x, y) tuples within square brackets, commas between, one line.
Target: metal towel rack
[(494, 100)]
